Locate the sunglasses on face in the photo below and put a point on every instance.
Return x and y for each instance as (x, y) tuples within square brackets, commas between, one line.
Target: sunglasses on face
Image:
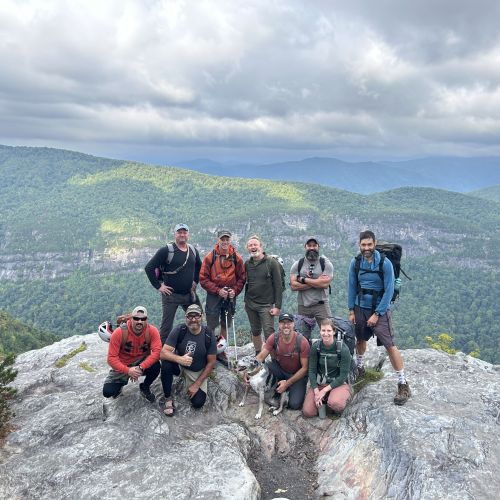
[(136, 318), (193, 316)]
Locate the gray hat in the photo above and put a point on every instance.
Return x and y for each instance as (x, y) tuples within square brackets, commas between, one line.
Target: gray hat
[(178, 227), (140, 309), (193, 308), (312, 238), (223, 232)]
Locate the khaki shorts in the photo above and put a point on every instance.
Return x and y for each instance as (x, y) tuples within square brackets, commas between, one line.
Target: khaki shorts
[(191, 377), (383, 330)]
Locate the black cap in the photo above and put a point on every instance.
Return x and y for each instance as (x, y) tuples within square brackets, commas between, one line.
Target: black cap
[(285, 317)]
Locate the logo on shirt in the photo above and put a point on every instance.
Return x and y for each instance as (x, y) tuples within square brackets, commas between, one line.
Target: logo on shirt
[(190, 347)]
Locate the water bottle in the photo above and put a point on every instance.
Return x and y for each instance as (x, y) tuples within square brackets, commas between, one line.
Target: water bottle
[(322, 411)]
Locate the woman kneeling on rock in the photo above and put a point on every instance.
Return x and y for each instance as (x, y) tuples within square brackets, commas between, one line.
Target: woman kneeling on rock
[(327, 374)]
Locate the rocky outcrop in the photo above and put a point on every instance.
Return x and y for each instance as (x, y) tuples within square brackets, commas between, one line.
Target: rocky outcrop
[(442, 444), (68, 442)]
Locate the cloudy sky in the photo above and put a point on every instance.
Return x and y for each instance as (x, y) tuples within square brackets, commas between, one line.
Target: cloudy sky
[(256, 80)]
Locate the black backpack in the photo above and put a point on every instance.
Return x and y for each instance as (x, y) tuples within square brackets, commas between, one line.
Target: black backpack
[(345, 335), (391, 251), (321, 263)]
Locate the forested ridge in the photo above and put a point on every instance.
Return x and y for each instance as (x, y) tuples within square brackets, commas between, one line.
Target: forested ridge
[(62, 209)]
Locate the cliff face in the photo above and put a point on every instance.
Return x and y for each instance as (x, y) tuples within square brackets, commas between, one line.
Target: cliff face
[(68, 442)]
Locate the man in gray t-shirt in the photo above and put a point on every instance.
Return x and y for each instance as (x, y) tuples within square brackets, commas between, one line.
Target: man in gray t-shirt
[(311, 276)]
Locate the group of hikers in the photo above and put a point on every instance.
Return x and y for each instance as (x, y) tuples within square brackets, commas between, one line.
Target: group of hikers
[(190, 349)]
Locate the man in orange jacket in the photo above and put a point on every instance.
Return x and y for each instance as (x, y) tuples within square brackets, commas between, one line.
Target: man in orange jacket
[(223, 276), (134, 350)]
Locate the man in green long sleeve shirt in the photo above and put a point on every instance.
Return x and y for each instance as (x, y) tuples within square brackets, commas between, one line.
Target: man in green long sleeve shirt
[(327, 373), (263, 291)]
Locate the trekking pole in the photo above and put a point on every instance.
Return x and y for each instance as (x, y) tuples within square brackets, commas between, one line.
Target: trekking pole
[(233, 311)]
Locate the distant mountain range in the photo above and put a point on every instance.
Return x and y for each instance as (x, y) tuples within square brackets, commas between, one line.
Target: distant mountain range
[(77, 230), (450, 173)]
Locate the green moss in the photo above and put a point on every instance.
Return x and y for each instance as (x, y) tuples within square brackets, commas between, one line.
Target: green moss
[(87, 367), (62, 361), (371, 376)]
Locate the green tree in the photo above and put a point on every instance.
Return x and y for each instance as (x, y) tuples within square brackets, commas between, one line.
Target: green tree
[(7, 375)]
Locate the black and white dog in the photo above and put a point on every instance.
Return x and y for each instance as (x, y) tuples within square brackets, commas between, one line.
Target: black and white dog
[(263, 382)]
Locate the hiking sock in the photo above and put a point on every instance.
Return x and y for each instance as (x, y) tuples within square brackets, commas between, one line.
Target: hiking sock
[(359, 360), (401, 377)]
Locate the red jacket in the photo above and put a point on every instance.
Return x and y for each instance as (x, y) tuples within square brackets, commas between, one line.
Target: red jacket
[(120, 358), (227, 270)]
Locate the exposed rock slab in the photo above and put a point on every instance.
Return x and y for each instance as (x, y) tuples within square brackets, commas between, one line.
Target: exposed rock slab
[(444, 443), (66, 446)]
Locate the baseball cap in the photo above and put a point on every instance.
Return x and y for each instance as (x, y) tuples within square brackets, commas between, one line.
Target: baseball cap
[(140, 309), (178, 227), (312, 238), (193, 308), (223, 232), (285, 317)]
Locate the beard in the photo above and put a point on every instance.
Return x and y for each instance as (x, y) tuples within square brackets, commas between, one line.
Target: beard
[(312, 255), (368, 253)]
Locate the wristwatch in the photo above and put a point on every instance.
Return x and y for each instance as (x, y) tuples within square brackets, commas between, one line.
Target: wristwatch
[(303, 280)]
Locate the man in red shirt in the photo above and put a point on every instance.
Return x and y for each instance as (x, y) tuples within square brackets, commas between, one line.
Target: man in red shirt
[(222, 275), (134, 351), (290, 353)]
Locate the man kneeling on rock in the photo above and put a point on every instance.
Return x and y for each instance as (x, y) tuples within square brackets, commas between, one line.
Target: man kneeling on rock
[(290, 353), (134, 350), (190, 351)]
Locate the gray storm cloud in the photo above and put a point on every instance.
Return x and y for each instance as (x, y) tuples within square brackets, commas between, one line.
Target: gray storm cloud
[(360, 77)]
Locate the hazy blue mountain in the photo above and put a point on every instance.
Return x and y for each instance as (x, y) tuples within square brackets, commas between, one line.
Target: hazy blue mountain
[(453, 174)]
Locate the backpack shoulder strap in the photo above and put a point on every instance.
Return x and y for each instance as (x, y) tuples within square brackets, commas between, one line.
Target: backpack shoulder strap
[(298, 342), (170, 252), (276, 341), (301, 263), (381, 266), (124, 335), (339, 342), (214, 257), (181, 335), (357, 267), (208, 338), (147, 336), (322, 263)]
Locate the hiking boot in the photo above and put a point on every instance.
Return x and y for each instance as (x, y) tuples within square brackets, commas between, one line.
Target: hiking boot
[(361, 372), (146, 392), (403, 394)]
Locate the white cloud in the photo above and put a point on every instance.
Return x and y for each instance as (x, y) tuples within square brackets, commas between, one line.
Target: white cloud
[(320, 77)]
